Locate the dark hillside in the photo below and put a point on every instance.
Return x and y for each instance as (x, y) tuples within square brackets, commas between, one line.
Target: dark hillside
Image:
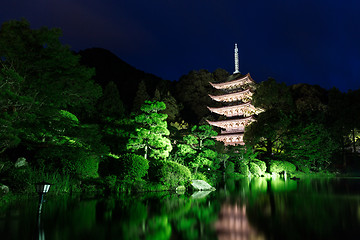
[(109, 67)]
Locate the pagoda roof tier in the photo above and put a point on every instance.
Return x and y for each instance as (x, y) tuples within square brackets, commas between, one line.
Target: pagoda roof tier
[(245, 109), (244, 96), (233, 125), (233, 84), (231, 139)]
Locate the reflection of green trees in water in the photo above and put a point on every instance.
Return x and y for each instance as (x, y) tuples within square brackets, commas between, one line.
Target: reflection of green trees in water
[(279, 209), (157, 216)]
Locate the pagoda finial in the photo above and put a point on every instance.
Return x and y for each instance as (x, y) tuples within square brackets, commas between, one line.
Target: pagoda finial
[(236, 54)]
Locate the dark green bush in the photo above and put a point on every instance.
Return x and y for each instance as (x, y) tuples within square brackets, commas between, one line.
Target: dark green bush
[(304, 168), (169, 173), (230, 167), (132, 166), (244, 169), (88, 168), (17, 179)]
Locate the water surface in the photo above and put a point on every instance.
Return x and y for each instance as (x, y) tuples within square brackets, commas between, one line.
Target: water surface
[(243, 209)]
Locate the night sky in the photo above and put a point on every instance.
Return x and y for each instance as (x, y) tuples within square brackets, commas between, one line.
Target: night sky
[(308, 41)]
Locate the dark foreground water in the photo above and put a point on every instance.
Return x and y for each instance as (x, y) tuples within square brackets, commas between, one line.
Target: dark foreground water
[(245, 209)]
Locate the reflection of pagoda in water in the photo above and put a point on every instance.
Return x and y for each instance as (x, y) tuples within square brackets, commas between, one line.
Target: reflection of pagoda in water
[(238, 110), (233, 224)]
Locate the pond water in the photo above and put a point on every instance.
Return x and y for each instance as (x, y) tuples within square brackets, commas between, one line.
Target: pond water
[(242, 209)]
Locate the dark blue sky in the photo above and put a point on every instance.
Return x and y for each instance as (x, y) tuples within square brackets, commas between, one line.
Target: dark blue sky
[(308, 41)]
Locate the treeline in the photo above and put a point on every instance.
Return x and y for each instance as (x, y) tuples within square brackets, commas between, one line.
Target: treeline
[(307, 125), (90, 120)]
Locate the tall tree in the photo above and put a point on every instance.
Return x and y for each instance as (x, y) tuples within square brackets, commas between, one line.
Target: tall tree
[(48, 79), (140, 97), (269, 130), (197, 149), (310, 145), (193, 89), (52, 73), (110, 104), (151, 133)]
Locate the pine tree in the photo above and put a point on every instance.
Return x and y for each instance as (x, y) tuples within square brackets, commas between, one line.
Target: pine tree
[(141, 97), (150, 135)]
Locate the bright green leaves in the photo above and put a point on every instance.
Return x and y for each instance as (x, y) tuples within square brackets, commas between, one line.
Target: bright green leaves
[(68, 115), (153, 107), (151, 131), (40, 79), (196, 147), (184, 150)]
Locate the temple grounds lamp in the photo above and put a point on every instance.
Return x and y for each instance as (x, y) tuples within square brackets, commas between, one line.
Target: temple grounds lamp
[(42, 188)]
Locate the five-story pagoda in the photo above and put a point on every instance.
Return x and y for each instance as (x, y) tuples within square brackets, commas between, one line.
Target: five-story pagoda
[(237, 110)]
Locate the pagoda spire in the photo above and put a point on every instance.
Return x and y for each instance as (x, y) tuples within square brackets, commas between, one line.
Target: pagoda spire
[(236, 55)]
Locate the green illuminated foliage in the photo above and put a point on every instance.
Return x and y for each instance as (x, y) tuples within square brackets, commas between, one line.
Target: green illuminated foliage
[(197, 148), (268, 132), (246, 161), (151, 131), (40, 81), (254, 169), (243, 168), (282, 166), (311, 145), (169, 173), (132, 166), (261, 165)]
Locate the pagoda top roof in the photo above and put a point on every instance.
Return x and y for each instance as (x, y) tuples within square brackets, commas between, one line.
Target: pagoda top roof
[(233, 80)]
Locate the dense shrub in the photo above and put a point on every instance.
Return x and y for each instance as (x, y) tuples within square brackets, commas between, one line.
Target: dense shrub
[(17, 179), (230, 167), (133, 167), (88, 168), (281, 166), (262, 166), (244, 169), (276, 166), (255, 169), (169, 173), (303, 168), (199, 176), (289, 167)]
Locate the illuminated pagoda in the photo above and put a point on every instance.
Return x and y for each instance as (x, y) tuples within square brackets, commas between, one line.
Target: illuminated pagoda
[(238, 110)]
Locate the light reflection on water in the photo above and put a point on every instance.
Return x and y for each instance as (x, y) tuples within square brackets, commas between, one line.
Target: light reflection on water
[(244, 209), (233, 223)]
